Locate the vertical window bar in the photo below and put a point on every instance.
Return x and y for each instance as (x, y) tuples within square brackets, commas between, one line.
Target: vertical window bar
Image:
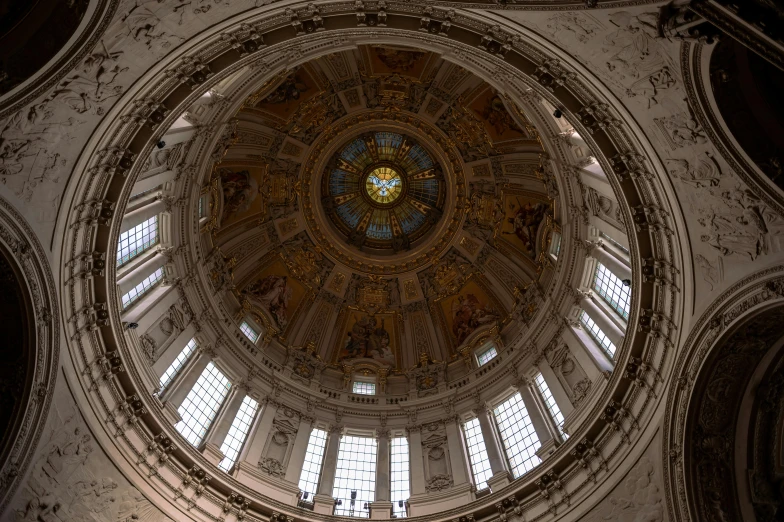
[(355, 475), (311, 469), (552, 406), (399, 478), (477, 453), (137, 240), (202, 403), (238, 432), (142, 288), (518, 435), (175, 367)]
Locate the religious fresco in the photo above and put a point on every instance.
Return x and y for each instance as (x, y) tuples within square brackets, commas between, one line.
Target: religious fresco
[(298, 87), (396, 60), (468, 310), (366, 336), (278, 292), (241, 189), (523, 217), (500, 125)]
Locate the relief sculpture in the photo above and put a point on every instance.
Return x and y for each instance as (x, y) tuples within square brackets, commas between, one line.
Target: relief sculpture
[(72, 480)]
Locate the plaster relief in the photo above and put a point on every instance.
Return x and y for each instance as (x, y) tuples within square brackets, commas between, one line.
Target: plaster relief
[(638, 497), (72, 479)]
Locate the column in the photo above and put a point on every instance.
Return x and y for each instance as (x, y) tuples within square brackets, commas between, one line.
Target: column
[(457, 453), (602, 321), (382, 466), (220, 426), (173, 350), (157, 310), (615, 265), (417, 461), (545, 429), (183, 384), (501, 476), (556, 388), (323, 501), (593, 362), (140, 215), (297, 458), (153, 181), (140, 273), (381, 508), (251, 452)]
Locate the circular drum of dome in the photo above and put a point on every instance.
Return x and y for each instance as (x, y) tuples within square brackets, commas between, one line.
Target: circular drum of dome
[(383, 191)]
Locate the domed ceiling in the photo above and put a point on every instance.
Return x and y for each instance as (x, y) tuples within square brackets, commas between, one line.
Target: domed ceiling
[(388, 189)]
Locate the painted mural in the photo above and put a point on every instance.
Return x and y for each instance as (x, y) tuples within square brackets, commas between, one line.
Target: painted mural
[(523, 216), (368, 336), (278, 292), (397, 60), (241, 187), (298, 87), (500, 125), (468, 310)]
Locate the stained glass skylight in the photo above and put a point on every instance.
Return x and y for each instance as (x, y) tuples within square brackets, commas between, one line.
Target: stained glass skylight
[(383, 190)]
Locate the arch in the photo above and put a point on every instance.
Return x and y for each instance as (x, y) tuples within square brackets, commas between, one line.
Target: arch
[(31, 337), (712, 376)]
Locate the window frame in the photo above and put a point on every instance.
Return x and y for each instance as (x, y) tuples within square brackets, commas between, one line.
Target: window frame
[(348, 469), (607, 284), (143, 288), (593, 333), (142, 245), (308, 462), (483, 351), (404, 465), (362, 387), (206, 395), (477, 453), (555, 246), (550, 404), (241, 425), (180, 362), (509, 435), (247, 326)]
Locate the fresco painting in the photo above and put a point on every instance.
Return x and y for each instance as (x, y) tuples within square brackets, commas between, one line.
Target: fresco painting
[(523, 217), (278, 292), (368, 336), (471, 308), (241, 188)]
